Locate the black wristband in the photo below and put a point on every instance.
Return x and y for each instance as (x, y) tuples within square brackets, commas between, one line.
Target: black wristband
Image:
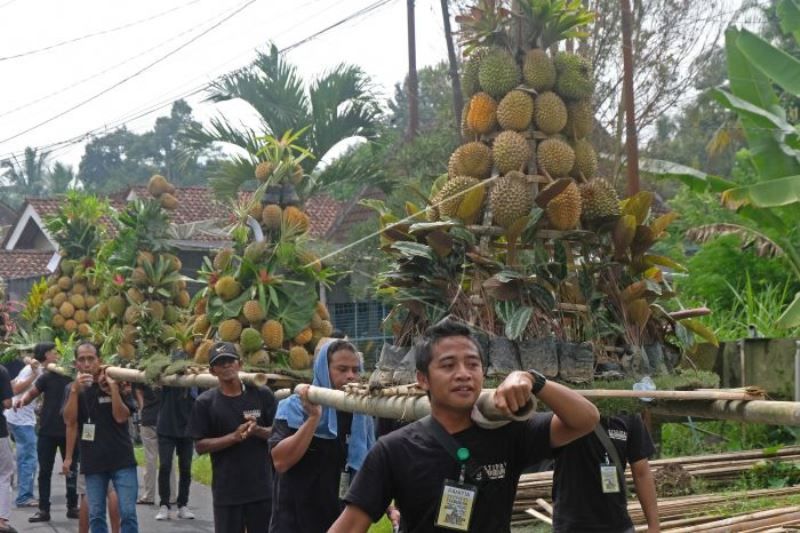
[(538, 381)]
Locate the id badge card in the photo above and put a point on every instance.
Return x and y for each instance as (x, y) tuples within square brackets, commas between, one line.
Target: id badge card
[(609, 479), (344, 484), (456, 505), (88, 433)]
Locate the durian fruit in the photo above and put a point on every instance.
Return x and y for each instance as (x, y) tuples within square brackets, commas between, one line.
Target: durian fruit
[(139, 276), (482, 114), (78, 288), (135, 295), (296, 219), (511, 199), (144, 257), (585, 160), (200, 306), (183, 299), (129, 333), (263, 170), (80, 316), (550, 113), (70, 326), (471, 159), (253, 311), (538, 70), (64, 283), (131, 315), (227, 288), (272, 333), (466, 131), (303, 337), (469, 78), (66, 310), (250, 340), (84, 330), (580, 119), (599, 200), (201, 325), (159, 185), (202, 352), (498, 72), (574, 80), (59, 299), (77, 301), (316, 321), (510, 151), (255, 212), (175, 262), (172, 314), (259, 358), (515, 111), (271, 217), (555, 157), (297, 174), (90, 300), (168, 201), (58, 321), (126, 351), (116, 305), (322, 311), (229, 330), (223, 259), (255, 251), (326, 328), (156, 310), (450, 196), (299, 358), (564, 211)]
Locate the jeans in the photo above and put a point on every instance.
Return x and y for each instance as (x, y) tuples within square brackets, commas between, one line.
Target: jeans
[(6, 471), (46, 448), (167, 447), (25, 439), (126, 486)]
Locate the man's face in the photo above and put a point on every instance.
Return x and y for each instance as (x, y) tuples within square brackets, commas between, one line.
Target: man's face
[(455, 374), (226, 369), (86, 360), (343, 366), (51, 356)]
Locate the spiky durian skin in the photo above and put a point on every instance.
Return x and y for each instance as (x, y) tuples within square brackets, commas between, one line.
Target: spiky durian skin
[(550, 113), (223, 259), (599, 200), (271, 216), (574, 76), (511, 198), (515, 111), (580, 119), (450, 196), (469, 78), (498, 72), (482, 115), (158, 185), (253, 311), (471, 159), (510, 151), (555, 157), (229, 330), (538, 70), (564, 211), (272, 333), (263, 171), (202, 352), (299, 358), (227, 288), (585, 160)]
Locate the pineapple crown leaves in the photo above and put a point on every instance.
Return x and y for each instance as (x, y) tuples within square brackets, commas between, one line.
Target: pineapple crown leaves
[(550, 21), (484, 24), (161, 277), (284, 152), (77, 226)]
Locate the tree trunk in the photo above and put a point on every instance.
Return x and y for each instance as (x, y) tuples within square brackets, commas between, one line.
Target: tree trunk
[(631, 142), (413, 85), (458, 98)]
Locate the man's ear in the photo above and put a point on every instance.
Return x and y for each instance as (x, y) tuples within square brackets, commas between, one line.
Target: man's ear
[(422, 381)]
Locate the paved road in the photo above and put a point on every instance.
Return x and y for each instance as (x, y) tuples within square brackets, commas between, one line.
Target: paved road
[(199, 503)]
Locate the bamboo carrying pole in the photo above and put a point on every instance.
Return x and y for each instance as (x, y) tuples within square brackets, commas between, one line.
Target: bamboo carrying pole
[(756, 411)]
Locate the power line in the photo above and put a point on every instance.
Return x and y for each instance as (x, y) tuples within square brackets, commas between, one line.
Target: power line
[(130, 77), (95, 34)]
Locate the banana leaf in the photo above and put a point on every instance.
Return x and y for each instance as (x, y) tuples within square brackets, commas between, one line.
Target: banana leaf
[(776, 64), (789, 15), (696, 180), (772, 193), (791, 316)]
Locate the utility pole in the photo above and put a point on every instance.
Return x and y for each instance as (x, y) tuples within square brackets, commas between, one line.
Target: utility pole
[(631, 142), (458, 97), (413, 84)]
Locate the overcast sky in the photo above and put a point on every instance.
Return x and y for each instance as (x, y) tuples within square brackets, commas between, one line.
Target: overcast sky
[(38, 86)]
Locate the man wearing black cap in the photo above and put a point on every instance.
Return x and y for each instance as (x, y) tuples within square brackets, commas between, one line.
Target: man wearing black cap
[(232, 422)]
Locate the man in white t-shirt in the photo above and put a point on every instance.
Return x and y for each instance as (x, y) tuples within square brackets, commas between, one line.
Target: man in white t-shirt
[(22, 426)]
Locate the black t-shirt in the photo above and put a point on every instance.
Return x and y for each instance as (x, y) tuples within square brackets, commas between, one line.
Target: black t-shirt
[(175, 411), (112, 447), (14, 367), (306, 497), (579, 503), (410, 466), (51, 385), (149, 413), (6, 393), (240, 473)]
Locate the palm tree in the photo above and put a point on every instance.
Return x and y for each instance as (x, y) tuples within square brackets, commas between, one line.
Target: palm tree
[(28, 177), (336, 107)]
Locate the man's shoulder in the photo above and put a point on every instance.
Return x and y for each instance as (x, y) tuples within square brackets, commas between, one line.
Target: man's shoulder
[(413, 432), (208, 395), (4, 373)]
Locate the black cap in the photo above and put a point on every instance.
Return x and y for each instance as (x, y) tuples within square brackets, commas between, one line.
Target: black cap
[(221, 350)]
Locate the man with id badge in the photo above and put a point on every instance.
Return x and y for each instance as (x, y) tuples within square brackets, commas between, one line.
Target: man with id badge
[(454, 470), (315, 450), (589, 492)]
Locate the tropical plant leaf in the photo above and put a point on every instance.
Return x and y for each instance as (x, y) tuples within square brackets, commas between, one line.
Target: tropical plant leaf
[(413, 249), (763, 245), (624, 232), (660, 224), (638, 312), (471, 203), (789, 15), (772, 193), (699, 329), (518, 322), (696, 180), (776, 64), (662, 260), (790, 317), (296, 307), (638, 205)]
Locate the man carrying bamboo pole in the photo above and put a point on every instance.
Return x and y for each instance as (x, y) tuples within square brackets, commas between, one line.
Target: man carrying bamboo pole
[(315, 450), (445, 472), (233, 423)]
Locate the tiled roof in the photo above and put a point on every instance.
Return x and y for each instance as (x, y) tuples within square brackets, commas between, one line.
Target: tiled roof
[(24, 263), (194, 204), (323, 211)]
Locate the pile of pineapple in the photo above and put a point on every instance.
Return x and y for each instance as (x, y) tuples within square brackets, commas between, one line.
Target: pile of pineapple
[(71, 297), (528, 114)]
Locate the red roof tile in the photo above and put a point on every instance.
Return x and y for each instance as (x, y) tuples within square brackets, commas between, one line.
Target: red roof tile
[(24, 263), (323, 211), (194, 204)]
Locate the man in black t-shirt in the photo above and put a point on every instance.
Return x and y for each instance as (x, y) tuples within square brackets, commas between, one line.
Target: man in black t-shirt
[(98, 406), (6, 455), (448, 471), (588, 492), (232, 422), (52, 431)]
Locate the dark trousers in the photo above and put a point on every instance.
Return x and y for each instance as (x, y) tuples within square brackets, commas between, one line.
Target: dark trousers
[(252, 517), (46, 448), (167, 447)]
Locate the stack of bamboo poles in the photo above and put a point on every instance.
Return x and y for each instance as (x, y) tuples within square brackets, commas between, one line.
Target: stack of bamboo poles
[(713, 469)]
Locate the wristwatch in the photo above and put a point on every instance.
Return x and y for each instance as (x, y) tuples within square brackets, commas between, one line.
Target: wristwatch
[(538, 381)]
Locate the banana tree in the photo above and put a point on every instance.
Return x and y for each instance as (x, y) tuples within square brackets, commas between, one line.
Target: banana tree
[(757, 72)]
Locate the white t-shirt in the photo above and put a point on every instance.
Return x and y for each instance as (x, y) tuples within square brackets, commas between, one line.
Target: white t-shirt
[(25, 416)]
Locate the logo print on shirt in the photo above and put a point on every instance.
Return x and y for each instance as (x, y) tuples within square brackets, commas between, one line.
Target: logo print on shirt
[(256, 413), (495, 471), (618, 434)]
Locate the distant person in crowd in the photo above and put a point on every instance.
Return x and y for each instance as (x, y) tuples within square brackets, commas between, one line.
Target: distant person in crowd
[(174, 413), (98, 405), (14, 367), (232, 422), (52, 431), (22, 426), (148, 403), (6, 455), (316, 450), (447, 472), (589, 492)]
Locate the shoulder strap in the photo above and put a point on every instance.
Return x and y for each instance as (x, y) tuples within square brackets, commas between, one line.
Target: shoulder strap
[(450, 444), (605, 440)]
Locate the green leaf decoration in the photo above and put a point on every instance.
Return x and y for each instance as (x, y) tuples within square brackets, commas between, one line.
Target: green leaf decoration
[(518, 322)]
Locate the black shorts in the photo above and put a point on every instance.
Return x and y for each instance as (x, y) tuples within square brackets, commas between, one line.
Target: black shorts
[(252, 517)]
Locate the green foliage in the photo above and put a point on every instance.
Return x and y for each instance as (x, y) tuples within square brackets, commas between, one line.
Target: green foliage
[(693, 437), (78, 227), (31, 176)]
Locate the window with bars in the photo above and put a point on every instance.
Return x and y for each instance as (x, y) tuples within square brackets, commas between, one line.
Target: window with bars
[(361, 322)]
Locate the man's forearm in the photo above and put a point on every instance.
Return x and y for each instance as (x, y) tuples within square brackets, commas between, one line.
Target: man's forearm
[(29, 396), (290, 450), (71, 407), (119, 410), (646, 493), (72, 433), (216, 444), (575, 411), (21, 386)]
